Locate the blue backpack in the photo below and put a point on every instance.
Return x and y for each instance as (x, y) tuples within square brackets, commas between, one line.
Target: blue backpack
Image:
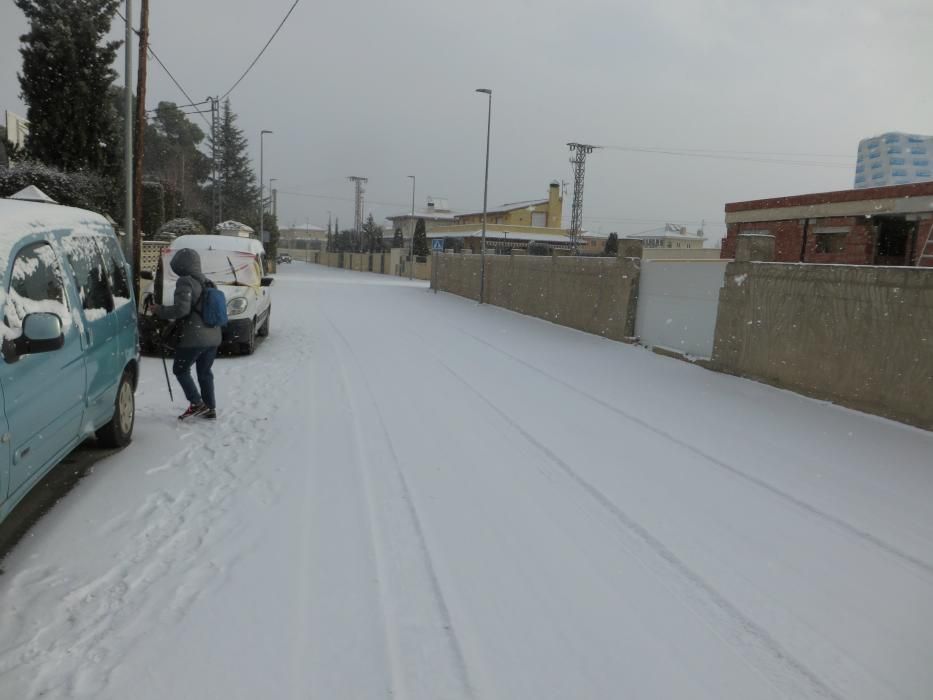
[(213, 305)]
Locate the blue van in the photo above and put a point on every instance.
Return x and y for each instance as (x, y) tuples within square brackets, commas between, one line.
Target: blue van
[(69, 355)]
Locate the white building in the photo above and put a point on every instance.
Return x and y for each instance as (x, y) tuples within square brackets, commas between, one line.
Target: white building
[(669, 236), (894, 158)]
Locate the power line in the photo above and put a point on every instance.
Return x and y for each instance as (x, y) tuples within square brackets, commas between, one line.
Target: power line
[(733, 152), (165, 68), (718, 156), (250, 67)]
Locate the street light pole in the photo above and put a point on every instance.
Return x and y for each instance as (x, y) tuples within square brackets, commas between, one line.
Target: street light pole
[(482, 273), (261, 181), (411, 241)]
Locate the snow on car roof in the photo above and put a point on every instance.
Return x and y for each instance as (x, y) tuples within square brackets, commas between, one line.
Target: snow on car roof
[(19, 218), (208, 242)]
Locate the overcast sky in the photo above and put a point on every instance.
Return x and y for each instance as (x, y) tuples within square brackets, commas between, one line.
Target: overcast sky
[(385, 90)]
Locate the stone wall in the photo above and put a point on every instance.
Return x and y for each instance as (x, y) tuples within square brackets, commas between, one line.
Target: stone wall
[(596, 295), (858, 336)]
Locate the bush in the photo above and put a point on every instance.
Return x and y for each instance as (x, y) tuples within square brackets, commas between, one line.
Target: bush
[(179, 227), (535, 248), (79, 189)]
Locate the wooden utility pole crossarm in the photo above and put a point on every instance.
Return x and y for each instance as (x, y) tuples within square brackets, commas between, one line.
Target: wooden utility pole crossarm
[(139, 145)]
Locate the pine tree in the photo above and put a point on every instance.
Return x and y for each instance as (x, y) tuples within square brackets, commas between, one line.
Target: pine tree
[(237, 180), (65, 80), (398, 240), (612, 245), (421, 240)]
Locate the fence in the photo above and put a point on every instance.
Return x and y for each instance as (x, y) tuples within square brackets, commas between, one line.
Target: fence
[(859, 336), (856, 335), (596, 295)]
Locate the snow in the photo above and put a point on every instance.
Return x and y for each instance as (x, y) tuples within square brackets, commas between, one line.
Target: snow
[(409, 495)]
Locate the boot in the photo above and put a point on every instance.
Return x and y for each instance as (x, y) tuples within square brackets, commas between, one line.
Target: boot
[(195, 409)]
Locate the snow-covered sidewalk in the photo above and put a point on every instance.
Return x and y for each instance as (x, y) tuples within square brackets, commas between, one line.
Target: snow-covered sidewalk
[(411, 496)]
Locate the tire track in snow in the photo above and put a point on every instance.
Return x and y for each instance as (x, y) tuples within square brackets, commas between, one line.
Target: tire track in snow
[(456, 651), (750, 641), (394, 662), (810, 509)]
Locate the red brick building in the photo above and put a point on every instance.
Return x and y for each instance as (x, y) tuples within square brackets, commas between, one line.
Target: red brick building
[(875, 226)]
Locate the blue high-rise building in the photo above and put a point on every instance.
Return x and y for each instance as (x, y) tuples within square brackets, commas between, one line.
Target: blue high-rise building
[(894, 159)]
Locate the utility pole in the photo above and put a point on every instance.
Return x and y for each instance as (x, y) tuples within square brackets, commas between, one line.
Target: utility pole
[(136, 249), (216, 202), (358, 183), (128, 130), (580, 151)]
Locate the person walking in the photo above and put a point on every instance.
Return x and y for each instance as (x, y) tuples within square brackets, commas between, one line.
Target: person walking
[(197, 342)]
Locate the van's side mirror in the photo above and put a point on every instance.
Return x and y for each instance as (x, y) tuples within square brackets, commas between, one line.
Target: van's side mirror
[(146, 275), (42, 332), (266, 281)]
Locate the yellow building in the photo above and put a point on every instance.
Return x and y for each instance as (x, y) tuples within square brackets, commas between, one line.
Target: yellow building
[(540, 213)]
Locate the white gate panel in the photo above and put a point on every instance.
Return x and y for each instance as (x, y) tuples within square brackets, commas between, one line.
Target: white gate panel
[(677, 304)]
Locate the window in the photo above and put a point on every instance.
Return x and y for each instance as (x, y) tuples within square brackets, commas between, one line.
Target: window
[(877, 176), (539, 218), (860, 169), (116, 271), (831, 239), (897, 161), (899, 172), (918, 150), (895, 149), (88, 268), (923, 173), (875, 166), (915, 139), (35, 285), (921, 162), (891, 138), (874, 154)]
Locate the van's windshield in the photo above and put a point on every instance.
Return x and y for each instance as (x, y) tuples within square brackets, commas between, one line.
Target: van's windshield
[(223, 267)]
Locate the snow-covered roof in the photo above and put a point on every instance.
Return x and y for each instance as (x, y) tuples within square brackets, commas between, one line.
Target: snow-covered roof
[(507, 235), (510, 206), (431, 214), (667, 231), (208, 242)]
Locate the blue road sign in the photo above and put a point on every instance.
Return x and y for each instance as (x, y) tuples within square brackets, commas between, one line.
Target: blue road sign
[(437, 244)]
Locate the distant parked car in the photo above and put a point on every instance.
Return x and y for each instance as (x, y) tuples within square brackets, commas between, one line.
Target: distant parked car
[(236, 266), (284, 258), (70, 350)]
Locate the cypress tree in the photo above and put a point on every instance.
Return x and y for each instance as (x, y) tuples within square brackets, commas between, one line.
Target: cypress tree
[(421, 240), (612, 245), (65, 81)]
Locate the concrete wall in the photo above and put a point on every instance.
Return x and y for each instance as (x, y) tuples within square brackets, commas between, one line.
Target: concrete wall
[(681, 254), (596, 295), (858, 336)]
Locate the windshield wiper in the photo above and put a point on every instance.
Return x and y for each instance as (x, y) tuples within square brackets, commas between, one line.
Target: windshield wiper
[(236, 281)]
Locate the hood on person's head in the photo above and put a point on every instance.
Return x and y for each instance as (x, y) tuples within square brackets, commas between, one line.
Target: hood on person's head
[(186, 262)]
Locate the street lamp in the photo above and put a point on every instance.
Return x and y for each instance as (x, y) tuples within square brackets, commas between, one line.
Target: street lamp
[(261, 206), (482, 273), (411, 241)]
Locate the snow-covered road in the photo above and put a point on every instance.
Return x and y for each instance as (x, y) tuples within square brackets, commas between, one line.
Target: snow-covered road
[(411, 496)]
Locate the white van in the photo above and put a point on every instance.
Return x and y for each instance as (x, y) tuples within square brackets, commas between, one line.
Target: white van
[(237, 266)]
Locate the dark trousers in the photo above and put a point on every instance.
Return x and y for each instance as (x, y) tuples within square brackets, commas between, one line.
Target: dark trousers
[(203, 359)]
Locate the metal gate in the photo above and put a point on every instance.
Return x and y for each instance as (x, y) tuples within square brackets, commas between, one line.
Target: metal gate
[(677, 304)]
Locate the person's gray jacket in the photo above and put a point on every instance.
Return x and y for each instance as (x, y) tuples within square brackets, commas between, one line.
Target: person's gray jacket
[(193, 333)]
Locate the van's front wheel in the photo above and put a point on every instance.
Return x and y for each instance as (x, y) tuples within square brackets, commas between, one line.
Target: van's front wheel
[(119, 431), (248, 347)]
